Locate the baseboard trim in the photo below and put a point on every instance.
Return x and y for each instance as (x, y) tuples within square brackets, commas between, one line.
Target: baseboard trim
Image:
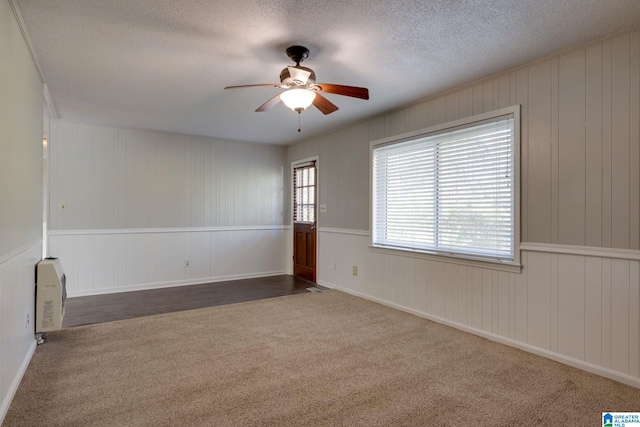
[(585, 366), (16, 382), (171, 284)]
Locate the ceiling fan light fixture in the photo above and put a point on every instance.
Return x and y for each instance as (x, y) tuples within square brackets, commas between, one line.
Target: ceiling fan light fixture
[(298, 99)]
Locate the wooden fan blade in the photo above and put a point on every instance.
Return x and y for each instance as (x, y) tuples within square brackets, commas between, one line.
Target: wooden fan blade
[(269, 104), (299, 74), (352, 91), (258, 85), (324, 105)]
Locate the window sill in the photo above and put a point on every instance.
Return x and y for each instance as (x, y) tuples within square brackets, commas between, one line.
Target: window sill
[(451, 259)]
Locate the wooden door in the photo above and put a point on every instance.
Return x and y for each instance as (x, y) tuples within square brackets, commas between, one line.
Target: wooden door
[(304, 264), (304, 220)]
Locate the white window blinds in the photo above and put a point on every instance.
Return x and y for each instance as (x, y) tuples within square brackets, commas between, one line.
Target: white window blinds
[(304, 192), (451, 192)]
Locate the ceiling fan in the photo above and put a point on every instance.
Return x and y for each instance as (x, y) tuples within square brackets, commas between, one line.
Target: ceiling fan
[(302, 89)]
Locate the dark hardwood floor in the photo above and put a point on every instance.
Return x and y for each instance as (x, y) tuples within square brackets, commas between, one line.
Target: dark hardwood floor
[(127, 305)]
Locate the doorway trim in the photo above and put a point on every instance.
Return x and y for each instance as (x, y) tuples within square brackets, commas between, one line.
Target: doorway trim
[(290, 245)]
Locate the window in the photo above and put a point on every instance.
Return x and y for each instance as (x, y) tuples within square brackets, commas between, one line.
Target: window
[(450, 190), (304, 187)]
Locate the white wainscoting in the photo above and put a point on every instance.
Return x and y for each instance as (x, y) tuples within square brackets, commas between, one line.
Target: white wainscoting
[(17, 293), (578, 308), (107, 261)]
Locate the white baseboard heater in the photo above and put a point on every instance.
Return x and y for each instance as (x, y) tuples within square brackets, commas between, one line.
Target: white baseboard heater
[(51, 294)]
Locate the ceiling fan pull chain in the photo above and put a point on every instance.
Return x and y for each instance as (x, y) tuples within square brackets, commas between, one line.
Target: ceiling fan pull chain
[(299, 120)]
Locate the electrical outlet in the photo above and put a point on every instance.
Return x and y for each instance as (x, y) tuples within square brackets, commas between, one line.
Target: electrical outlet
[(355, 270), (62, 207), (187, 263), (334, 266), (28, 320)]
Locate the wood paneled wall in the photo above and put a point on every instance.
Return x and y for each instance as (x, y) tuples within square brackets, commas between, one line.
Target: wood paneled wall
[(21, 103), (578, 309), (343, 174), (140, 203), (113, 178), (105, 261), (578, 296), (580, 145), (17, 318)]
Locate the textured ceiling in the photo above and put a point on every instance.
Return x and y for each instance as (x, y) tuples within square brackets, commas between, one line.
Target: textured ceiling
[(163, 64)]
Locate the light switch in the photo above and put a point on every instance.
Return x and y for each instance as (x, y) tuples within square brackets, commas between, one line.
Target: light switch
[(323, 208)]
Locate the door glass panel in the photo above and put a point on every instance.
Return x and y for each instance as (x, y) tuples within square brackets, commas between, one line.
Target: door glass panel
[(304, 194)]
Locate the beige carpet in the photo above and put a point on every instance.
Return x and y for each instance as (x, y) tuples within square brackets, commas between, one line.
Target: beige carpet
[(302, 360)]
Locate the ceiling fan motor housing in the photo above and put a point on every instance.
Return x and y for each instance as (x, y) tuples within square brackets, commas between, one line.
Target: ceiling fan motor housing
[(286, 79)]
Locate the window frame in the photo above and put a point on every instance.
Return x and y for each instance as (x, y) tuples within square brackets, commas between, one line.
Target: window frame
[(311, 164), (485, 262)]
